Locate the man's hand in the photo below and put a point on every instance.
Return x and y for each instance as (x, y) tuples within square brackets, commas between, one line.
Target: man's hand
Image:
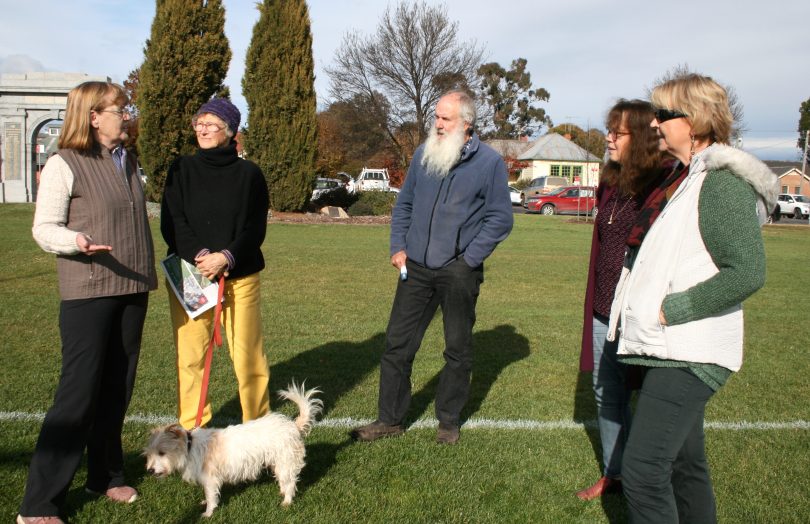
[(212, 265), (86, 245), (398, 259)]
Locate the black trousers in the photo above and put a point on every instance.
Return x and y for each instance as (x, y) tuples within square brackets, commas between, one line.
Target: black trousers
[(101, 341), (665, 473), (455, 288)]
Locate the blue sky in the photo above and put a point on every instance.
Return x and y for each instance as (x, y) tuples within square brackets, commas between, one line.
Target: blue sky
[(586, 53)]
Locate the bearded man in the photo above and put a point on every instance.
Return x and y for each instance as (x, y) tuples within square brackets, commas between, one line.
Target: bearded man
[(452, 211)]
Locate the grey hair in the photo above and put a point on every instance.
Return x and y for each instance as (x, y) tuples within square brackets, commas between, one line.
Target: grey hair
[(466, 106)]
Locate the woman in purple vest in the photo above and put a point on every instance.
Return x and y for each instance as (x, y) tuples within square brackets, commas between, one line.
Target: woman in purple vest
[(91, 212), (632, 170)]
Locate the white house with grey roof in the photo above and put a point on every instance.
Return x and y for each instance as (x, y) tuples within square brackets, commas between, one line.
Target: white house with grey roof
[(555, 155)]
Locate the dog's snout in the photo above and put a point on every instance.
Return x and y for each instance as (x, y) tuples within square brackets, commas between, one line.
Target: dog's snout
[(151, 471)]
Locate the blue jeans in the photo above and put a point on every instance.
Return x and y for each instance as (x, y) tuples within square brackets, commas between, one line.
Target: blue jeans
[(665, 473), (612, 398)]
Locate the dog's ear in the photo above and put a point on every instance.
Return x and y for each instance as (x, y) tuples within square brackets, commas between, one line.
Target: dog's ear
[(177, 430)]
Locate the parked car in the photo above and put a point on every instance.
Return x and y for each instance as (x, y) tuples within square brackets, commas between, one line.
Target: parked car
[(516, 196), (797, 206), (542, 186), (325, 185), (569, 200), (372, 180)]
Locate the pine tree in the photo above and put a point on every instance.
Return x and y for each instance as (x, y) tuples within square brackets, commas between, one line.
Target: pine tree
[(279, 88), (185, 62)]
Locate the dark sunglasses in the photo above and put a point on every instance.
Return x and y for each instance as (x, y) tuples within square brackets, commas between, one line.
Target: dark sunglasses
[(662, 115)]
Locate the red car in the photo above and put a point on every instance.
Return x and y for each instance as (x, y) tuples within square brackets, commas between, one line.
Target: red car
[(569, 200)]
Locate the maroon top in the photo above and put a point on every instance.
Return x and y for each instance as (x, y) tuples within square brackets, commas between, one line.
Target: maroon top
[(614, 220), (611, 238)]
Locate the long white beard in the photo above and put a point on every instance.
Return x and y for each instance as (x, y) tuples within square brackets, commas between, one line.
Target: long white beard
[(441, 154)]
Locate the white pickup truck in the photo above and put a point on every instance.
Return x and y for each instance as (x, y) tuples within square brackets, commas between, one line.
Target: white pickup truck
[(373, 180), (797, 206)]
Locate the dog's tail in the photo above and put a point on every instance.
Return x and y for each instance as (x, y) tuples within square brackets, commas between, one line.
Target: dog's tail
[(308, 406)]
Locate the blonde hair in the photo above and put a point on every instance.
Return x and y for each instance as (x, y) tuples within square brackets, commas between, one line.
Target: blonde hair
[(704, 101), (77, 133)]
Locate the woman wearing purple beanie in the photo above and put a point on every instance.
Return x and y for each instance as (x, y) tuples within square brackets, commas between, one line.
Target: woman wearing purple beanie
[(214, 215)]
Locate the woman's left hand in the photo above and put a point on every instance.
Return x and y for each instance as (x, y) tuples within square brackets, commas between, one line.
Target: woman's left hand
[(212, 265)]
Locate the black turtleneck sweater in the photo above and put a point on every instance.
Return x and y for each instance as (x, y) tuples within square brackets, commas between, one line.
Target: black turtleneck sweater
[(215, 200)]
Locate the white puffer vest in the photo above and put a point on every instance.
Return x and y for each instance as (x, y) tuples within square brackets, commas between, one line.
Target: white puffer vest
[(673, 258)]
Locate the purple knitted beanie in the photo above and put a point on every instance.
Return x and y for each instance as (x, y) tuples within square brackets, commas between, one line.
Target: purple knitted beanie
[(224, 109)]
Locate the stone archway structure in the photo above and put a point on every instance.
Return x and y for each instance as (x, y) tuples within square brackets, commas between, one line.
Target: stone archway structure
[(27, 101)]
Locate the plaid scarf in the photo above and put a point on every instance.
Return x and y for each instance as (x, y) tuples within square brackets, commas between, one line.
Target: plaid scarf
[(654, 204)]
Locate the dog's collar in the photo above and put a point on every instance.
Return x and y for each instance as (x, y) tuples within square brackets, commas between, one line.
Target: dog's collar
[(188, 438)]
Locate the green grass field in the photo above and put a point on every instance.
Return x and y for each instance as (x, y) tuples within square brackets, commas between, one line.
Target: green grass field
[(327, 295)]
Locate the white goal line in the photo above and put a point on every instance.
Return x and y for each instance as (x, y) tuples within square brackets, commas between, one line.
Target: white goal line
[(472, 423)]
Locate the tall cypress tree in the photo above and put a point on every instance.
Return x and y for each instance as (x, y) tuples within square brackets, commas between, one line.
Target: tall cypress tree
[(185, 62), (279, 88)]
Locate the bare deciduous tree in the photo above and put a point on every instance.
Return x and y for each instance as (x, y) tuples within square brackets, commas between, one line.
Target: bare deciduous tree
[(401, 71)]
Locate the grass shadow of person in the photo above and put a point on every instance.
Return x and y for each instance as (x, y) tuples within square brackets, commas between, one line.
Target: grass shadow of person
[(493, 351), (585, 412), (335, 368)]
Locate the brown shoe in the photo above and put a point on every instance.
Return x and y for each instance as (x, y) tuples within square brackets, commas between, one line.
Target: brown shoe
[(39, 520), (603, 485), (375, 430), (123, 494), (447, 434)]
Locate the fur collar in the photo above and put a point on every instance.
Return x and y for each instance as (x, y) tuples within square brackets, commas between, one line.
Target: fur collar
[(747, 167)]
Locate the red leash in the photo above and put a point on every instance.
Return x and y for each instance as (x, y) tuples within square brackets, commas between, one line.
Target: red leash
[(216, 338)]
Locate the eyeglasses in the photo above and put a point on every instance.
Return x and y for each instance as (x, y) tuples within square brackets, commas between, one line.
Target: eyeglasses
[(122, 113), (614, 135), (662, 115), (209, 126)]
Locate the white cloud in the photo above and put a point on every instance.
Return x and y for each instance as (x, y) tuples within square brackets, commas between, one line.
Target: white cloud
[(20, 64)]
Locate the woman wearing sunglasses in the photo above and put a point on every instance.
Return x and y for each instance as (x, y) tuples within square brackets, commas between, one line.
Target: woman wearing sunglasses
[(214, 215), (634, 167), (679, 300)]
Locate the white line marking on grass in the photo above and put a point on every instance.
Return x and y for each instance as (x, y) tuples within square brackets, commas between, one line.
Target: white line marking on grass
[(473, 423)]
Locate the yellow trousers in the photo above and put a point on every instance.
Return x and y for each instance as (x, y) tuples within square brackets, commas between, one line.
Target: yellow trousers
[(241, 317)]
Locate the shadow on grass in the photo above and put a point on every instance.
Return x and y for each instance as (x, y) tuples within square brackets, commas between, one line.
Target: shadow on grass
[(494, 350), (585, 413), (335, 368), (613, 504)]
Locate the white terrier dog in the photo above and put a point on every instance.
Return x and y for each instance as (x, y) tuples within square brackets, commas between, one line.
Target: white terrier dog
[(213, 457)]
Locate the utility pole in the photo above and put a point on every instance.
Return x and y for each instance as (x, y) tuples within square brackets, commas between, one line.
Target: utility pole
[(804, 163), (804, 160)]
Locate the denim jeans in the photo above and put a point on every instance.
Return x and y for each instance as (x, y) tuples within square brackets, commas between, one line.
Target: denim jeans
[(612, 398), (665, 472), (455, 288)]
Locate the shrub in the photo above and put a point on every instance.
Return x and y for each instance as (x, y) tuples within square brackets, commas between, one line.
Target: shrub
[(521, 184), (373, 203), (338, 197)]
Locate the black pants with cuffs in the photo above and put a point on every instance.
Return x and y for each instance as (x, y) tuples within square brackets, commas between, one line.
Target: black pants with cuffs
[(455, 288), (101, 341)]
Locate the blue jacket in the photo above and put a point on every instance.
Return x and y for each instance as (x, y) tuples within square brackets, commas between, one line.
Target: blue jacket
[(467, 213)]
